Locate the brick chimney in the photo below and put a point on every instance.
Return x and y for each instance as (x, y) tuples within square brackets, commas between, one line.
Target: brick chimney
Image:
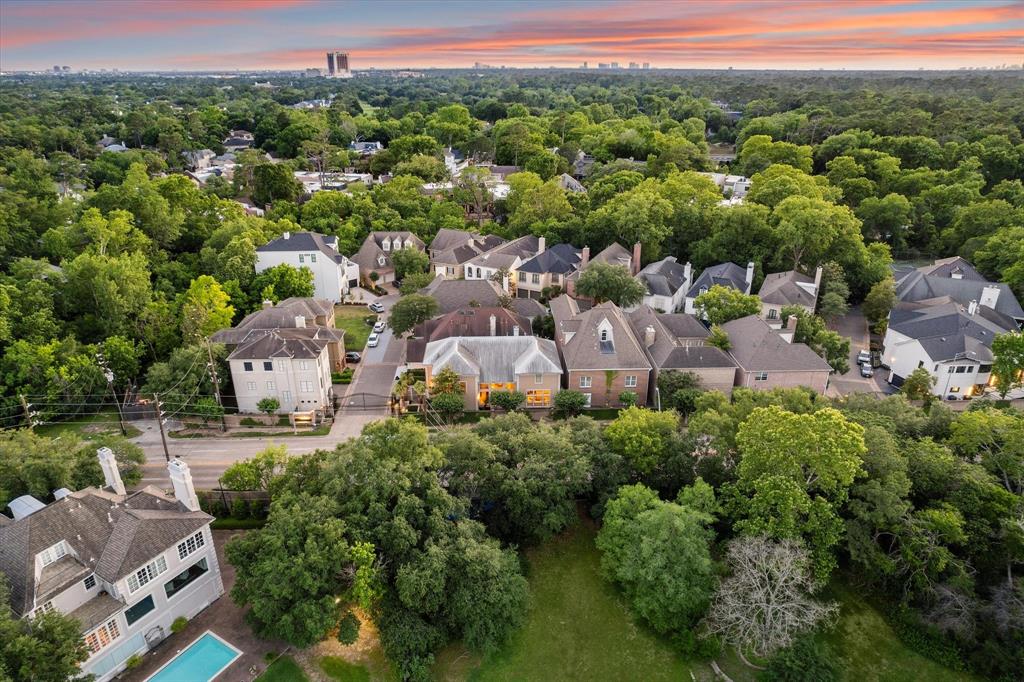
[(584, 257), (634, 265)]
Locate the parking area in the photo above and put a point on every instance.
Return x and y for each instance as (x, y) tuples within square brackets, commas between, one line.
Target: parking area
[(854, 326), (375, 373)]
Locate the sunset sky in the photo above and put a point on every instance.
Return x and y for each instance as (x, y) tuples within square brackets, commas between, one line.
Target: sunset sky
[(270, 34)]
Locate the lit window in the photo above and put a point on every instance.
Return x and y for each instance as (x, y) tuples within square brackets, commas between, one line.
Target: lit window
[(146, 573), (630, 381), (538, 398), (190, 545), (761, 376), (585, 382), (103, 636), (270, 386), (90, 582)]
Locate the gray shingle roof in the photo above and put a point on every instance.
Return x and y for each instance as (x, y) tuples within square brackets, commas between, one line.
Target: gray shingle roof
[(783, 288), (371, 250), (494, 359), (947, 332), (110, 535), (458, 246), (756, 347), (305, 343), (305, 241), (505, 255), (664, 277), (723, 274), (678, 340), (466, 322), (560, 259), (936, 281)]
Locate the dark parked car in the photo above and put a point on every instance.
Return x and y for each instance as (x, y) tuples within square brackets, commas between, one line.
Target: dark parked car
[(353, 356), (866, 371)]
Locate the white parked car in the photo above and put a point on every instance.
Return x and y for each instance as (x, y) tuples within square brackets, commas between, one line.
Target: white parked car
[(864, 358), (379, 327), (373, 340)]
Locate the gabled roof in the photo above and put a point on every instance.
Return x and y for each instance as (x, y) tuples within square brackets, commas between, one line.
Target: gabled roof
[(679, 340), (459, 246), (664, 277), (281, 316), (109, 535), (453, 294), (370, 252), (294, 242), (615, 254), (756, 347), (937, 281), (571, 184), (584, 348), (505, 255), (783, 288), (305, 343), (560, 258), (466, 322), (723, 274), (494, 359), (948, 332)]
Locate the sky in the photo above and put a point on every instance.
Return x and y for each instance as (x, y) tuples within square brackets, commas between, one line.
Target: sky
[(293, 34)]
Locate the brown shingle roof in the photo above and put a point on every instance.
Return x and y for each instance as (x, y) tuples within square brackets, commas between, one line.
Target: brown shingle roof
[(466, 322), (584, 349), (756, 347), (783, 288)]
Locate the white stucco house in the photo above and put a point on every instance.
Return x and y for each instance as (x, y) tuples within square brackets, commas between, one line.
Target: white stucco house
[(125, 565), (334, 275), (667, 282)]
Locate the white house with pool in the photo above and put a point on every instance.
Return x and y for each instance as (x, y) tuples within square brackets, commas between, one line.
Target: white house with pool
[(125, 565)]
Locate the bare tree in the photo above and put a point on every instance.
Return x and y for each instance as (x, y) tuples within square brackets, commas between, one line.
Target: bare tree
[(952, 611), (767, 600), (1007, 608)]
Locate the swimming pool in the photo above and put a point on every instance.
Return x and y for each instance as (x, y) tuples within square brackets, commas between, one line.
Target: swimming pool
[(201, 661)]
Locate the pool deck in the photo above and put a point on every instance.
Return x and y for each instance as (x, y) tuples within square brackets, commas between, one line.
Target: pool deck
[(224, 619)]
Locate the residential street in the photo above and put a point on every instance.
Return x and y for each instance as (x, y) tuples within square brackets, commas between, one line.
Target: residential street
[(365, 401), (854, 326)]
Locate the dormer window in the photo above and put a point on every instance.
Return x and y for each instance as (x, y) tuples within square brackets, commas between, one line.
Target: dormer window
[(386, 244), (381, 260), (703, 290), (51, 554), (604, 334)]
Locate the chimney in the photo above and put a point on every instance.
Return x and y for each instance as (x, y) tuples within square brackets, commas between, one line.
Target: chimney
[(788, 331), (791, 322), (515, 330), (687, 272), (817, 280), (634, 265), (972, 308), (181, 479), (541, 245), (989, 296), (267, 304), (287, 235), (111, 476), (300, 321), (750, 277), (649, 334), (584, 257), (493, 325)]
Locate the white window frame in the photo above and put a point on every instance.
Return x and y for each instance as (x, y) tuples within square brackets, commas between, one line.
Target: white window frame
[(270, 386), (286, 397), (305, 386), (586, 382), (312, 258), (630, 381), (279, 365), (146, 574), (605, 334), (303, 364), (54, 553), (761, 376), (103, 636), (191, 545), (538, 379), (302, 258), (250, 385)]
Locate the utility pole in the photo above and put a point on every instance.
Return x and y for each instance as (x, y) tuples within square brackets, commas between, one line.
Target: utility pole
[(216, 386), (117, 403), (160, 423), (26, 408)]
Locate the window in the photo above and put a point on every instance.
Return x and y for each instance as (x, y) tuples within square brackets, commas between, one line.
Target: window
[(146, 573), (185, 578), (312, 258), (306, 386), (90, 582), (279, 365), (585, 382), (286, 397), (270, 386), (102, 636), (961, 369), (984, 368), (190, 545), (538, 378), (773, 314), (536, 278), (554, 278), (302, 258), (703, 290), (247, 366), (630, 381), (51, 554), (381, 260), (45, 608), (250, 385), (303, 364), (522, 277), (761, 376), (449, 270), (970, 369), (950, 370), (538, 398), (386, 245), (133, 613), (268, 366)]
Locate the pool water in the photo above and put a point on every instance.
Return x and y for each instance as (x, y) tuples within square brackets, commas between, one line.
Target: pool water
[(202, 661)]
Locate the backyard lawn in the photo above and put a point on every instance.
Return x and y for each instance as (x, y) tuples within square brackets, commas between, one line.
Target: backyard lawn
[(352, 318), (284, 669), (87, 426)]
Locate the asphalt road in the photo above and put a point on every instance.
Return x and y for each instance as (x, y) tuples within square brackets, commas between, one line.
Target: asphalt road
[(854, 326)]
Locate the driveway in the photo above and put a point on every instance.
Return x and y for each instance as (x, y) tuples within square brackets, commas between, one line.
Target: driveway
[(375, 374), (854, 326)]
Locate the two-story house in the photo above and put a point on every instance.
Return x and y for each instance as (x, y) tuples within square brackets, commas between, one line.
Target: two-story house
[(667, 282), (790, 288), (333, 274), (501, 263), (374, 256), (723, 274), (767, 358), (467, 321), (124, 565), (600, 352), (451, 249), (547, 269)]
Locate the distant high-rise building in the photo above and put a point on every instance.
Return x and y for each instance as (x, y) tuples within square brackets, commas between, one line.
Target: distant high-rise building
[(602, 65), (634, 65), (647, 65), (615, 65), (584, 65), (337, 65)]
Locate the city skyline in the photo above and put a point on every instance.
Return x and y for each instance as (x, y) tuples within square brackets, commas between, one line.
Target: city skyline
[(295, 34)]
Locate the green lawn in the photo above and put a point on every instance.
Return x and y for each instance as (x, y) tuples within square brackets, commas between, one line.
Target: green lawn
[(341, 670), (578, 628), (88, 426), (352, 318), (284, 669)]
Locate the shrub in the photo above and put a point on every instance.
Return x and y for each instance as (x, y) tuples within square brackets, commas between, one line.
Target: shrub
[(507, 400), (569, 403), (628, 398), (179, 624), (133, 661), (348, 628), (239, 509), (448, 404), (805, 659), (268, 406), (249, 421)]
